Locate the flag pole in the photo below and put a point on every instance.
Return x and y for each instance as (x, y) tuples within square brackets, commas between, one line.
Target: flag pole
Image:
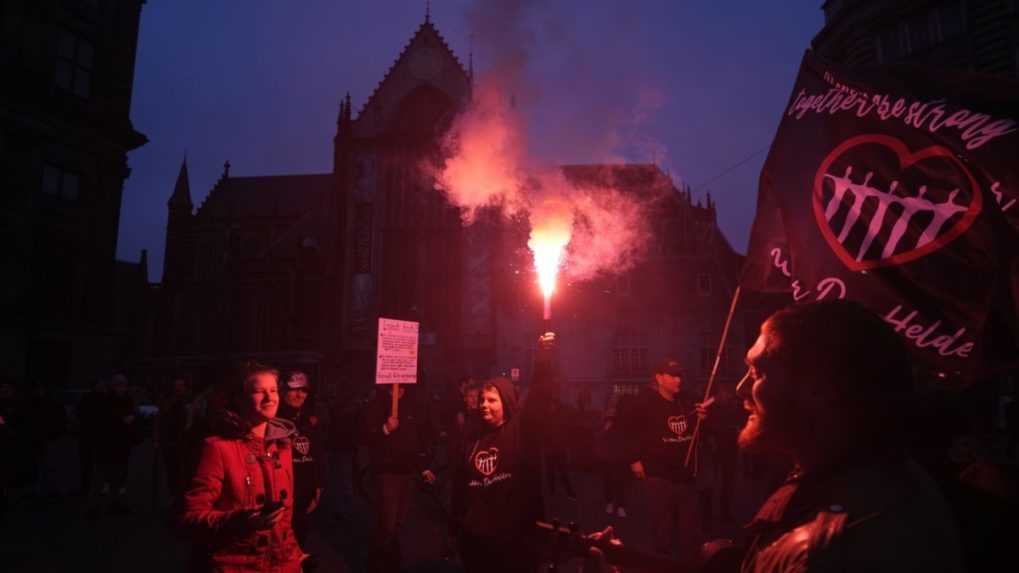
[(711, 379)]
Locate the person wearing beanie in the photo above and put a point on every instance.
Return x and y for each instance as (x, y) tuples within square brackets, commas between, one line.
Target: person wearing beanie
[(658, 426), (306, 451), (500, 497)]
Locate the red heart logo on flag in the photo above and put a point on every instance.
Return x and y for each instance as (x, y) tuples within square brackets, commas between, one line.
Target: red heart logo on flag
[(869, 227)]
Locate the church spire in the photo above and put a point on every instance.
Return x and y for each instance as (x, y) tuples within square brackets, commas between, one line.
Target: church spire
[(428, 11), (182, 190)]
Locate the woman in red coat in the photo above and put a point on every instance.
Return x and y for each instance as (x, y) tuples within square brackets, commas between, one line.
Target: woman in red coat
[(238, 504)]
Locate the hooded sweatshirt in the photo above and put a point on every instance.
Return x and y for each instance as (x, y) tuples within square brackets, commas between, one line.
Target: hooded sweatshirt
[(306, 447), (501, 468), (658, 434), (238, 473)]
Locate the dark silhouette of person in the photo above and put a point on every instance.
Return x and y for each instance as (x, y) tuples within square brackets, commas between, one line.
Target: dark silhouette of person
[(91, 414), (118, 433), (172, 426), (400, 449)]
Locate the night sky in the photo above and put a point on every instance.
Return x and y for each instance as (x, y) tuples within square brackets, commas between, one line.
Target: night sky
[(694, 86)]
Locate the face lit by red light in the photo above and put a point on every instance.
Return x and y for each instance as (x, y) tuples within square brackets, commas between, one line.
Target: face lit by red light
[(765, 395), (471, 399), (669, 383), (295, 397), (262, 397), (490, 407)]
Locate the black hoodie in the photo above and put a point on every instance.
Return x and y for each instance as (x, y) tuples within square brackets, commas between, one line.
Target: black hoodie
[(307, 446), (658, 433), (501, 468)]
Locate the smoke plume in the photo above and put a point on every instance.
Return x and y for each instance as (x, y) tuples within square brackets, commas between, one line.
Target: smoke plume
[(492, 161)]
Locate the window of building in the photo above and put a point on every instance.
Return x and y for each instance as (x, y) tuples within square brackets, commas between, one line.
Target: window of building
[(905, 47), (630, 353), (73, 72), (888, 45), (937, 33), (919, 33), (949, 20), (626, 389), (704, 284), (59, 182)]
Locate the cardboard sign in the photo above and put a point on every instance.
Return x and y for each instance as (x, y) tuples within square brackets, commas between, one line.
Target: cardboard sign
[(397, 358)]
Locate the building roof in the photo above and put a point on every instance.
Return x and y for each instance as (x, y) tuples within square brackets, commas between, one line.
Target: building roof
[(182, 190), (426, 34), (266, 196)]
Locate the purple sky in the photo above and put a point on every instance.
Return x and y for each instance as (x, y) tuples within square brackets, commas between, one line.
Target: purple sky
[(696, 86)]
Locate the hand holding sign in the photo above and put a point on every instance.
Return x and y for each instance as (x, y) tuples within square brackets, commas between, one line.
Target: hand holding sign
[(392, 423)]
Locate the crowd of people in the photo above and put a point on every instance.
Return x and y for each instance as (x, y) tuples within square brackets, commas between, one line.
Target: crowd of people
[(867, 484), (107, 425)]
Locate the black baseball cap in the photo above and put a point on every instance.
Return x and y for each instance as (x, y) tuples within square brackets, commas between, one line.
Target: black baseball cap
[(670, 366)]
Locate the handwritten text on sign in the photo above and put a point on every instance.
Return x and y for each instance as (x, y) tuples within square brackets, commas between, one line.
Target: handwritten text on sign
[(397, 358)]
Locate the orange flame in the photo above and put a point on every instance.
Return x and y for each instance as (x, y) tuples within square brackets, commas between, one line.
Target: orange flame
[(552, 221)]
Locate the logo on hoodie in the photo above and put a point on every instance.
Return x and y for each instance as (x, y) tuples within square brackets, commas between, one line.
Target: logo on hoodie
[(486, 461), (302, 444), (677, 424)]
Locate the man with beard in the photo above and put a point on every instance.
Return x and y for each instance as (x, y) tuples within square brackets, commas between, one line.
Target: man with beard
[(827, 385)]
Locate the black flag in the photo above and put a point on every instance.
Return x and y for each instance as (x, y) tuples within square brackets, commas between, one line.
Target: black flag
[(897, 188)]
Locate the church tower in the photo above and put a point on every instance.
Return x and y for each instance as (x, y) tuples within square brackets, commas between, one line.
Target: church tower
[(405, 242), (177, 261)]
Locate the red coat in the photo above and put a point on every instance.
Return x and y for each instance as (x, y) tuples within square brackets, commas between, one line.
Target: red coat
[(235, 476)]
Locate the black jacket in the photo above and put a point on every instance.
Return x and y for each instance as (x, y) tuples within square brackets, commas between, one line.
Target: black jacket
[(408, 448), (306, 447), (658, 433)]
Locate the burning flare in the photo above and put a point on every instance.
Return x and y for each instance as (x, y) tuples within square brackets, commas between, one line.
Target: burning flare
[(550, 233)]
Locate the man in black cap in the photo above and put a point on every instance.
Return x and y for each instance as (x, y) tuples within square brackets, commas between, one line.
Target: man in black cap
[(659, 424), (307, 445)]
